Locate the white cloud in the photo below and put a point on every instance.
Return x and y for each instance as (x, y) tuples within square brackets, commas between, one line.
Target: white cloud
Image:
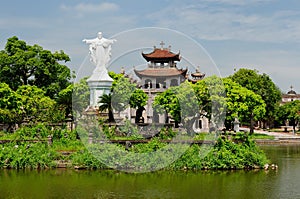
[(91, 8), (219, 23)]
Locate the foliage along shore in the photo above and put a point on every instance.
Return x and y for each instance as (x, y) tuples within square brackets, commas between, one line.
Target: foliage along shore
[(225, 154)]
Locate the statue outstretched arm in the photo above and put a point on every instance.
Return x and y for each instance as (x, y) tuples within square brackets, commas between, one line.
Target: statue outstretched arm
[(89, 41)]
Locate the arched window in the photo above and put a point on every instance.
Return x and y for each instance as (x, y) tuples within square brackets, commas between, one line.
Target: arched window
[(148, 83), (161, 83), (139, 115)]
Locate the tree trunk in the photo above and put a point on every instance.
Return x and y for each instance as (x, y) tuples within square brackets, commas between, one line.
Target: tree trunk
[(24, 78), (110, 116), (294, 126), (251, 124), (176, 124)]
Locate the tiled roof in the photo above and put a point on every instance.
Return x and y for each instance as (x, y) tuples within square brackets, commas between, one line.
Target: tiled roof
[(161, 54), (291, 96), (160, 72), (292, 92), (197, 74)]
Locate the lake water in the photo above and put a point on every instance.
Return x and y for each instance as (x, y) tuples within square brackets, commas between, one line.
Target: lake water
[(283, 183)]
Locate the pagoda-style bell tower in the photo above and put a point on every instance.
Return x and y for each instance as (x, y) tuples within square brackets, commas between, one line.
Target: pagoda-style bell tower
[(162, 71)]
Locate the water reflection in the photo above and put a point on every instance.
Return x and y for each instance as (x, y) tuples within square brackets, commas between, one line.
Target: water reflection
[(288, 158)]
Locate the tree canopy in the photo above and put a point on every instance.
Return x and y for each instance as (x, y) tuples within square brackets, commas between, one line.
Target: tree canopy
[(35, 105), (138, 99), (23, 64), (35, 84), (125, 93), (75, 98), (211, 97), (10, 105), (262, 85), (27, 103), (81, 95), (180, 102), (33, 80), (243, 104), (290, 112)]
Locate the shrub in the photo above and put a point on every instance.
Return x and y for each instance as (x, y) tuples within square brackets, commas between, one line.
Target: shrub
[(24, 155)]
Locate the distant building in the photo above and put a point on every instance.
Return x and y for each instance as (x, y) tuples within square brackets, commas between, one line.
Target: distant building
[(290, 96)]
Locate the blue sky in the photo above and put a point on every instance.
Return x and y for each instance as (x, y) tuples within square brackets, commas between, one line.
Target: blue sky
[(256, 34)]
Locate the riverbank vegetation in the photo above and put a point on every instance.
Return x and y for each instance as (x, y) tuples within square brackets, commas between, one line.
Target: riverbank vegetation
[(29, 148)]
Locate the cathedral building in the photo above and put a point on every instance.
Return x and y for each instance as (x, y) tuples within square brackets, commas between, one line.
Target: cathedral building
[(161, 73)]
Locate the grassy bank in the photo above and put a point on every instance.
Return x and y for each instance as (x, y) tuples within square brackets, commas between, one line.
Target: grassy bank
[(238, 153)]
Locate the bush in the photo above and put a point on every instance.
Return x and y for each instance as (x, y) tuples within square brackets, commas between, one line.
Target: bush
[(20, 156), (167, 133), (66, 140), (229, 155), (38, 131), (85, 159)]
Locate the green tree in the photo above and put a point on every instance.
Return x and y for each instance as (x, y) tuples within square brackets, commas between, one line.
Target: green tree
[(75, 98), (180, 102), (125, 93), (64, 99), (10, 105), (106, 104), (211, 98), (138, 99), (23, 64), (121, 91), (36, 106), (80, 96), (243, 103), (262, 85), (167, 102), (115, 77), (290, 112)]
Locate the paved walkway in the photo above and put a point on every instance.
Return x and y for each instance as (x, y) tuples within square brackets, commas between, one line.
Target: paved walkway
[(278, 135)]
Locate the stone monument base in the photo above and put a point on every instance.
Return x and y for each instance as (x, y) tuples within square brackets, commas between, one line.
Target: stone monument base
[(99, 83)]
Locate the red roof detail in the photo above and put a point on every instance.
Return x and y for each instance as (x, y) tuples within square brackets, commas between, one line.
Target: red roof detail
[(161, 54), (197, 74), (193, 81), (160, 72)]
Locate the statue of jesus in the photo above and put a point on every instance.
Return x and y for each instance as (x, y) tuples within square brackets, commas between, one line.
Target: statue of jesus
[(100, 50)]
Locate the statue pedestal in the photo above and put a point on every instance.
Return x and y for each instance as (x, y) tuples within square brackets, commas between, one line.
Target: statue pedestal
[(99, 83)]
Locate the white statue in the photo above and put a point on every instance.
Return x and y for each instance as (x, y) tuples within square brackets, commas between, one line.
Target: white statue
[(100, 50)]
